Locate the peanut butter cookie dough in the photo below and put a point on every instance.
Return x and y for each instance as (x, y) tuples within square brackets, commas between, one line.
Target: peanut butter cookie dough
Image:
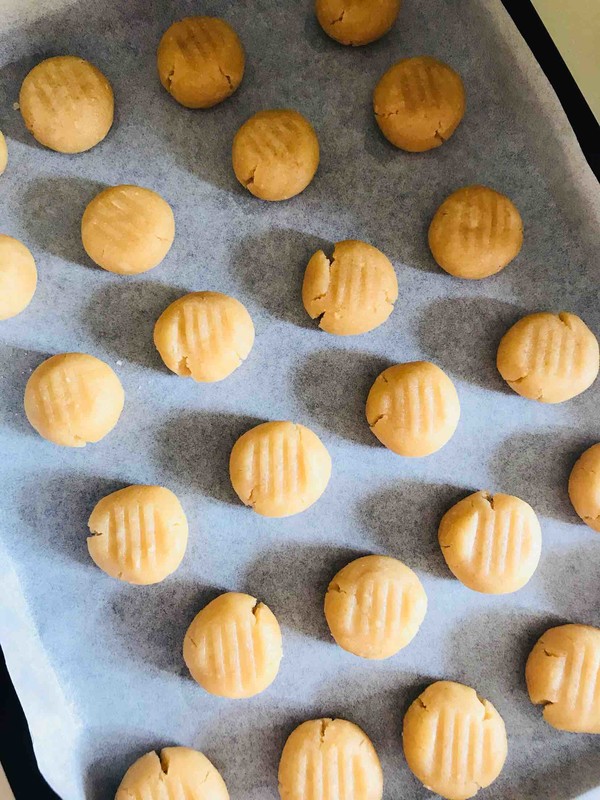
[(3, 153), (356, 22), (584, 487), (18, 277)]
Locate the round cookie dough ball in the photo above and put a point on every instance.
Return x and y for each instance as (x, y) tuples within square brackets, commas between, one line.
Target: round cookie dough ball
[(563, 675), (3, 153), (584, 487), (200, 61), (18, 277), (454, 741), (323, 755), (72, 399), (413, 408), (549, 357), (475, 233), (419, 103), (139, 534), (356, 22), (491, 544), (275, 154), (174, 772), (233, 646), (127, 229), (279, 468), (205, 335), (353, 292), (67, 104), (374, 606)]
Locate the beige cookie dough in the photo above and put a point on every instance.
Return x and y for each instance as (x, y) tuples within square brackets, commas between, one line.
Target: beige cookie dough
[(419, 103), (413, 408), (127, 229), (18, 277), (279, 468), (374, 606), (357, 22), (275, 154), (174, 772), (563, 675), (72, 399), (233, 647), (454, 740), (67, 104), (139, 534), (205, 335), (584, 487), (353, 292), (475, 233), (3, 153), (549, 357), (329, 759)]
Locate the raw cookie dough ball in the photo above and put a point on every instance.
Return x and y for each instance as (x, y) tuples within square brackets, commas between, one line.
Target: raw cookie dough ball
[(356, 22), (454, 741), (475, 233), (275, 154), (139, 534), (174, 772), (279, 468), (200, 61), (329, 758), (413, 408), (3, 153), (491, 544), (584, 487), (233, 646), (419, 103), (67, 104), (72, 399), (353, 292), (374, 606), (127, 229), (18, 277), (549, 357), (205, 335), (563, 675)]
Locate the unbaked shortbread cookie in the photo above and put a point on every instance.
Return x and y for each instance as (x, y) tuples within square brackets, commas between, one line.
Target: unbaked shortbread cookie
[(356, 22), (419, 103), (233, 647), (563, 675), (413, 408), (67, 104), (329, 759), (374, 606), (200, 61), (3, 153), (454, 741), (549, 357), (205, 335), (176, 772), (18, 277), (475, 233), (353, 292), (275, 154), (491, 544), (584, 487), (279, 468), (139, 534), (72, 399)]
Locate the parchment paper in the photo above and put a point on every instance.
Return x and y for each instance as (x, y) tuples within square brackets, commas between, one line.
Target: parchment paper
[(98, 664)]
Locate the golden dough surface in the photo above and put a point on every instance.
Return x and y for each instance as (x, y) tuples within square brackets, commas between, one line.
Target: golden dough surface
[(353, 292), (67, 104), (329, 759), (419, 103), (127, 229), (233, 646), (204, 335), (279, 468), (563, 675), (18, 277), (275, 154), (549, 357), (475, 233), (584, 487), (73, 398), (454, 741), (139, 534), (356, 22), (3, 153), (200, 61), (374, 606)]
